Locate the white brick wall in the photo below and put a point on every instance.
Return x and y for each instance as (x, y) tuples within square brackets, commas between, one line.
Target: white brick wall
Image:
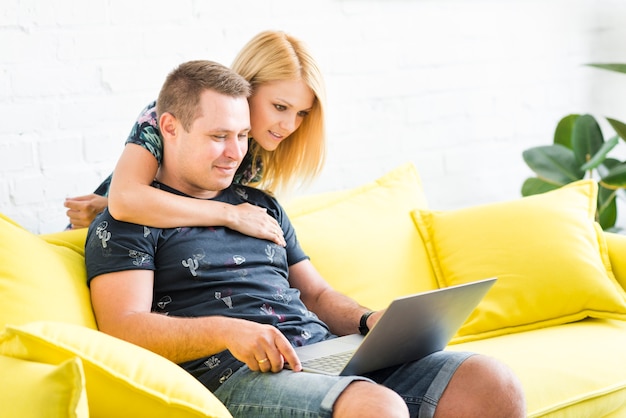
[(460, 88)]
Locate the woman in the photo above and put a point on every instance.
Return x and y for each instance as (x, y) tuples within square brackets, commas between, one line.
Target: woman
[(286, 148)]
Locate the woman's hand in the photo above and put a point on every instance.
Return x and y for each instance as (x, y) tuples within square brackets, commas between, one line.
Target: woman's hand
[(254, 221), (83, 209)]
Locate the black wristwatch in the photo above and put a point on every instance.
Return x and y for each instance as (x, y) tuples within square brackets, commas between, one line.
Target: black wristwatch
[(363, 328)]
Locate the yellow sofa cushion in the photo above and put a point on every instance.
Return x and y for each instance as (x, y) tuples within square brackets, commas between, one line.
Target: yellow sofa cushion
[(74, 239), (40, 279), (616, 244), (33, 390), (549, 255), (363, 237), (570, 370), (123, 380)]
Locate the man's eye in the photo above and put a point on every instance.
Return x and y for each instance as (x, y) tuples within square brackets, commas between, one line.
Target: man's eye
[(219, 137)]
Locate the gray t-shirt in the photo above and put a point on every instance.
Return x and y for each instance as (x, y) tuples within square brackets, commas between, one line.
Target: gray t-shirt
[(204, 271)]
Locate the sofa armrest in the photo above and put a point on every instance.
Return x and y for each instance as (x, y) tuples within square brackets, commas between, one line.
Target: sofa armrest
[(617, 255), (121, 379)]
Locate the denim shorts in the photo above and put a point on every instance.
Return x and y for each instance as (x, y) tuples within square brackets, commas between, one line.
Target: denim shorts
[(288, 394)]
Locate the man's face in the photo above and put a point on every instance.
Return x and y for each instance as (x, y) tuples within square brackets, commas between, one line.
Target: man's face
[(204, 160)]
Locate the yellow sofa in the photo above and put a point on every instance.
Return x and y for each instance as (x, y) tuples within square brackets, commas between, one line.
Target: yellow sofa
[(556, 315)]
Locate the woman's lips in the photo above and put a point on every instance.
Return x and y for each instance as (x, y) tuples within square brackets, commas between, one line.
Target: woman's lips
[(276, 136)]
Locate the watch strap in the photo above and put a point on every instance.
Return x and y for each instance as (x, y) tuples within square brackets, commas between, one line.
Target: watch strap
[(363, 328)]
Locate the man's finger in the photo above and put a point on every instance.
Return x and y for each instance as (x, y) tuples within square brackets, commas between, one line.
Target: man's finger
[(289, 355)]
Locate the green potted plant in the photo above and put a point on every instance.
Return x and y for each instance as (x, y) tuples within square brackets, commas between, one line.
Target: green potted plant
[(579, 151)]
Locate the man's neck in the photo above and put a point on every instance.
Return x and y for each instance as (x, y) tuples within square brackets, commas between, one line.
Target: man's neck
[(187, 190)]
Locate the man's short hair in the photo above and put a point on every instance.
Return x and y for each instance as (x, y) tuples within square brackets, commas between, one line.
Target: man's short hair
[(180, 94)]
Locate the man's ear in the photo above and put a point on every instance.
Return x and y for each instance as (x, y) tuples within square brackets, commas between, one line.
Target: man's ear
[(168, 124)]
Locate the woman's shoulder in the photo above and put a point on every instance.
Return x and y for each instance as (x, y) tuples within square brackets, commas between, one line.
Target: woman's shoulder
[(145, 131), (148, 114)]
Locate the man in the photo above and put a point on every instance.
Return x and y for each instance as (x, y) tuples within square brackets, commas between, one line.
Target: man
[(229, 308)]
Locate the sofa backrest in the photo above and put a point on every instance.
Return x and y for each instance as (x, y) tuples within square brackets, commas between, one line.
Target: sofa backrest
[(363, 241), (41, 280)]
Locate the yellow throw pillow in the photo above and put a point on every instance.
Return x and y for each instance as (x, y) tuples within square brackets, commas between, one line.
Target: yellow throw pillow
[(73, 239), (40, 280), (123, 380), (549, 255), (33, 390), (363, 240), (616, 244)]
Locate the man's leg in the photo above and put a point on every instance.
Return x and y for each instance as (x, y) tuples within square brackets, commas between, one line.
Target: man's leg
[(452, 384), (444, 384), (482, 387), (365, 399), (289, 394)]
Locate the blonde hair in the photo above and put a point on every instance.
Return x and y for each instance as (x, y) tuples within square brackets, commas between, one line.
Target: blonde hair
[(276, 56)]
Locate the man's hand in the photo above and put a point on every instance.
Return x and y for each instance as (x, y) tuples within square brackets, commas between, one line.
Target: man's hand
[(262, 347), (254, 221), (83, 209)]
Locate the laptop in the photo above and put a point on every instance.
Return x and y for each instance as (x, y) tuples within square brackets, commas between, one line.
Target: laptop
[(412, 327)]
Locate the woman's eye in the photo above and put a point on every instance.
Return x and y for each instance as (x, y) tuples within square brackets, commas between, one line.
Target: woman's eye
[(280, 107), (303, 114)]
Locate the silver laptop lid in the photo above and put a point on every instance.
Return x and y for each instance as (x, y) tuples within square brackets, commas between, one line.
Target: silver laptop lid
[(417, 325)]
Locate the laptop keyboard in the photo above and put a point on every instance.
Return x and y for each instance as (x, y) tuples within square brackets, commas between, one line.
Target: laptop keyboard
[(331, 364)]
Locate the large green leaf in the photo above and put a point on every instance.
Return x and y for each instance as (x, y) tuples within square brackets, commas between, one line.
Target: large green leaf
[(620, 68), (586, 138), (616, 177), (554, 164), (534, 185), (607, 208), (599, 157), (608, 163), (563, 131), (611, 162), (619, 127)]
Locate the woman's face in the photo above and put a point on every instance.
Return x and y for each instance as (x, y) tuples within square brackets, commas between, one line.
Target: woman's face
[(277, 109)]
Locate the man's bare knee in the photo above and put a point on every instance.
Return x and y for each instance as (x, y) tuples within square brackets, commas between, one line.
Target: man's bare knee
[(482, 386), (366, 399)]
